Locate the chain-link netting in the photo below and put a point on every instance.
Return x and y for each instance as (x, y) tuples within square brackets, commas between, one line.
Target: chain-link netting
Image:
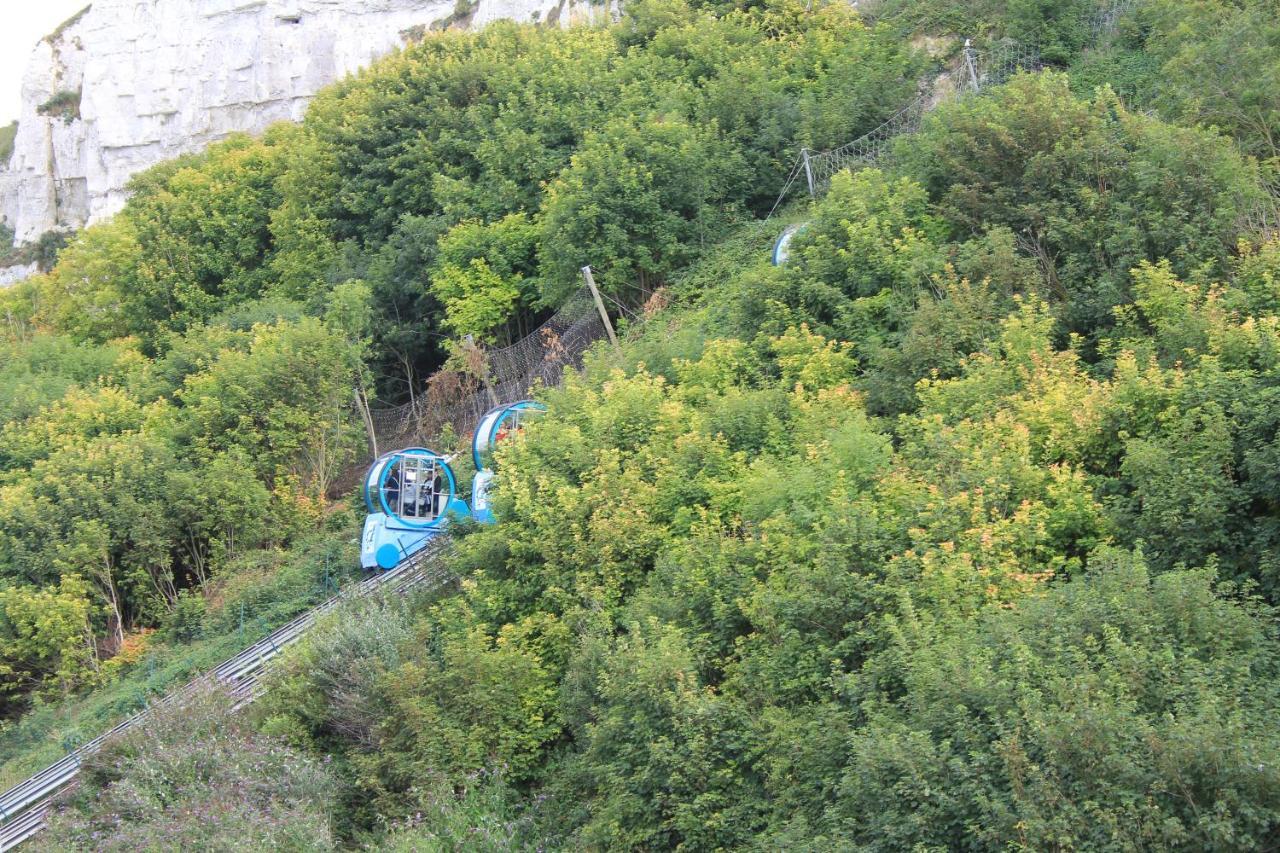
[(459, 398), (1104, 20), (977, 70)]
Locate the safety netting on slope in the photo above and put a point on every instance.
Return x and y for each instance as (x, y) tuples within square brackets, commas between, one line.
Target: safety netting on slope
[(1105, 19), (976, 71), (458, 399)]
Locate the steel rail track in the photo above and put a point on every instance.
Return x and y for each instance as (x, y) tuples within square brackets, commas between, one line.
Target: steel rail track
[(24, 807)]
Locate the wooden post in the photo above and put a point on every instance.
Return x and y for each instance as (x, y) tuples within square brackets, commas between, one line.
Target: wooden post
[(362, 406), (604, 315)]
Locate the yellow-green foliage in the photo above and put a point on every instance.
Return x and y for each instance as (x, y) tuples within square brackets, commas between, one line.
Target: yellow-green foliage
[(7, 135), (959, 530), (871, 548)]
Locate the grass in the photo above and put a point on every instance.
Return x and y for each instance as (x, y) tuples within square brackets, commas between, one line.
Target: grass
[(65, 25), (48, 732), (65, 104)]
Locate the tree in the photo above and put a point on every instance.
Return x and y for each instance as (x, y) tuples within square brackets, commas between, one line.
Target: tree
[(1118, 709), (635, 201), (91, 292), (48, 639), (285, 403), (1202, 47), (220, 510), (203, 233), (486, 277), (1088, 189)]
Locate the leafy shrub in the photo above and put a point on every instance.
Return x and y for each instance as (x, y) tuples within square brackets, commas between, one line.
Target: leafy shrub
[(1117, 710)]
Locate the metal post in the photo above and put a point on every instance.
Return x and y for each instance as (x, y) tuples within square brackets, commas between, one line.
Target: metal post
[(604, 315), (970, 65), (808, 171)]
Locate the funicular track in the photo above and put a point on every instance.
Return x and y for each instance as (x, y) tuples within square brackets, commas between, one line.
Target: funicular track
[(23, 808), (540, 358)]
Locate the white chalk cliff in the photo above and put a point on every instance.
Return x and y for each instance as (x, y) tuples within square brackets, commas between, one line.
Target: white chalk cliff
[(130, 83)]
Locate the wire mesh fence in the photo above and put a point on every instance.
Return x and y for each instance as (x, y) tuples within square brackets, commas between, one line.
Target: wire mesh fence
[(976, 70), (1105, 19), (458, 399)]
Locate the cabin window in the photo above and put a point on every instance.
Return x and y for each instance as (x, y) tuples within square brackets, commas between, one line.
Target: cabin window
[(415, 488)]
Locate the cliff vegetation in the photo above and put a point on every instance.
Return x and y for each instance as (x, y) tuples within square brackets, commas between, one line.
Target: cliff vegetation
[(960, 530)]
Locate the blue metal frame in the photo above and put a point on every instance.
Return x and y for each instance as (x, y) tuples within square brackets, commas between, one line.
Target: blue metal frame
[(388, 538), (386, 472)]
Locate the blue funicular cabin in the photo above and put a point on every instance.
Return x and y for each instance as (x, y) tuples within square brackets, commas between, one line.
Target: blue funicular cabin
[(411, 495), (498, 424), (782, 246)]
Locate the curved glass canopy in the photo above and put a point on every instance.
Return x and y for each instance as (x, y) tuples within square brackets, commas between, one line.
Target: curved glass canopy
[(497, 425), (782, 247), (413, 487)]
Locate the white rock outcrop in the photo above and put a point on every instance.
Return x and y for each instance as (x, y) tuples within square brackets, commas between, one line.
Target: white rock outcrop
[(16, 273), (130, 83)]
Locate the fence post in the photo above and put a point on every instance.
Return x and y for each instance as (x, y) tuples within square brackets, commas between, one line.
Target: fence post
[(970, 65), (362, 406), (808, 171), (604, 315)]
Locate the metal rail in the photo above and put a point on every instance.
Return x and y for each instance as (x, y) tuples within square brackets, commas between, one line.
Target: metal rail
[(541, 357), (23, 808)]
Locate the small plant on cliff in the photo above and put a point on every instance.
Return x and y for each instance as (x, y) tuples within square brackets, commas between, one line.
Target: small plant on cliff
[(65, 103), (8, 134), (461, 14), (46, 249)]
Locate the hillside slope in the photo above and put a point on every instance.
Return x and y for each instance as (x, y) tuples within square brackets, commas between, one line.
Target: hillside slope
[(956, 531)]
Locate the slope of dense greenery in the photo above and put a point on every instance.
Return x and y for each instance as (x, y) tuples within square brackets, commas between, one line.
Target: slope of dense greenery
[(958, 531), (177, 392)]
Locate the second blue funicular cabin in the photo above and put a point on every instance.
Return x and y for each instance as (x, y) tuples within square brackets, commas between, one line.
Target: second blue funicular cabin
[(496, 426)]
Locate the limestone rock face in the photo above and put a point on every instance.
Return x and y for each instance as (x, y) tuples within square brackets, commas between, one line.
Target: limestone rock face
[(130, 83), (16, 273)]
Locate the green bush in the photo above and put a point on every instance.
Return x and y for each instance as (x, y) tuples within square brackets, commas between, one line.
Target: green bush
[(1119, 710)]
